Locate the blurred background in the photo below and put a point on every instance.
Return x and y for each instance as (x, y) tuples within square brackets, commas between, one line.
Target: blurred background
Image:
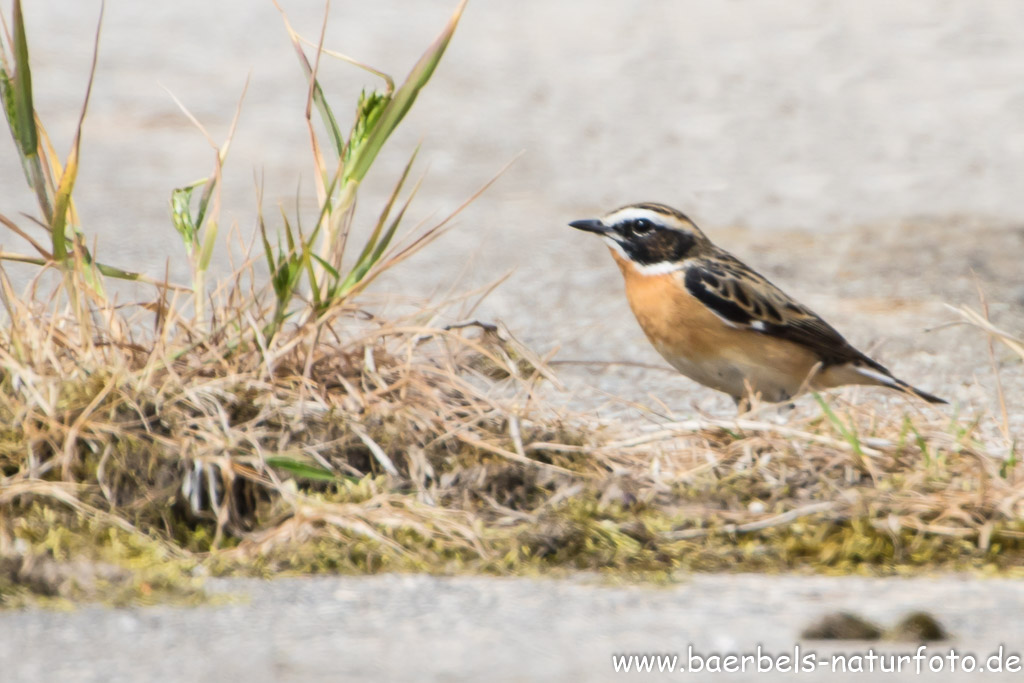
[(866, 156)]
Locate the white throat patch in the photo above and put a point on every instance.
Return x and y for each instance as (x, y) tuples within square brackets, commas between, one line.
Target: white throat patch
[(657, 268)]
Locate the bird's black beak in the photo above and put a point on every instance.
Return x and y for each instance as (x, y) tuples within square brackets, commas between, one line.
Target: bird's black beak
[(591, 225)]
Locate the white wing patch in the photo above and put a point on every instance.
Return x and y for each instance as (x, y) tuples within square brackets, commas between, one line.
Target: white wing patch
[(876, 375)]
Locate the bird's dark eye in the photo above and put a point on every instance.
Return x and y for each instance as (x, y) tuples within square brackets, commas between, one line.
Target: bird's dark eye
[(642, 226)]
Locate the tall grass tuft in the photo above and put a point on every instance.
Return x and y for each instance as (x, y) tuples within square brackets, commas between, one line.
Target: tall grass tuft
[(341, 165), (52, 182)]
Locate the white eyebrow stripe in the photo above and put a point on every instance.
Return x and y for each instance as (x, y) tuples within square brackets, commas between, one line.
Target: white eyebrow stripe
[(632, 213)]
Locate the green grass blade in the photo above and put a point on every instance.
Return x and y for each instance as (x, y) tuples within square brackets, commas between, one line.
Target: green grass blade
[(389, 235), (66, 186), (328, 118), (921, 443), (359, 272), (25, 131), (401, 102), (844, 431), (204, 199), (369, 110), (307, 265), (370, 247), (268, 251), (209, 242), (327, 267), (181, 215), (279, 272), (16, 92), (326, 209), (7, 100), (326, 115), (301, 469), (385, 241)]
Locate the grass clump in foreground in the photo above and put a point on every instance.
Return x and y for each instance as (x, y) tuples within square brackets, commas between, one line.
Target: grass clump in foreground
[(281, 428)]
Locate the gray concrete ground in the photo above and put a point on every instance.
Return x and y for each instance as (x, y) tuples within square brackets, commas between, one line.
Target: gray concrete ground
[(418, 628), (867, 156)]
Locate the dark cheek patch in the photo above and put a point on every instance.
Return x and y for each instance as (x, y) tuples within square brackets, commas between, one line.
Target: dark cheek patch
[(682, 243), (659, 247)]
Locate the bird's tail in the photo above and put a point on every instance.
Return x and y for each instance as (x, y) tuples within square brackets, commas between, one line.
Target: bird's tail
[(931, 398), (887, 380)]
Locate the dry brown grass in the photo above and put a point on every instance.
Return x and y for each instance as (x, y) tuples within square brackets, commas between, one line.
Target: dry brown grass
[(353, 443)]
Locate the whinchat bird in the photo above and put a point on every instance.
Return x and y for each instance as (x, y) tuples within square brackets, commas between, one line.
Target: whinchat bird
[(719, 322)]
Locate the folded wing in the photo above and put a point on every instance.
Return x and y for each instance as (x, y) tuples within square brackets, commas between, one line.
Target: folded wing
[(745, 299)]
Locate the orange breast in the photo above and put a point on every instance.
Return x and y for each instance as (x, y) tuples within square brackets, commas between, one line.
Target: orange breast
[(704, 347), (670, 317)]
